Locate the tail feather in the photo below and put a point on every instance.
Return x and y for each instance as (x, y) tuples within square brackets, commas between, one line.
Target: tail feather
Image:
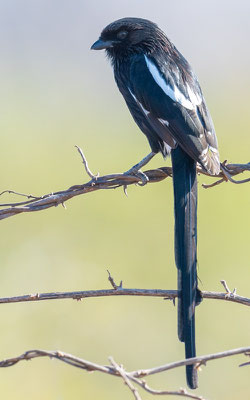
[(185, 200)]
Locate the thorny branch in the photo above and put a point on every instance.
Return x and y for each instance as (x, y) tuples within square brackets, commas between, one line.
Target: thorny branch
[(119, 290), (128, 377), (112, 181), (133, 378)]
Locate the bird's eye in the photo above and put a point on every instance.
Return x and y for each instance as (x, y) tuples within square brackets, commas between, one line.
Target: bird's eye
[(121, 35)]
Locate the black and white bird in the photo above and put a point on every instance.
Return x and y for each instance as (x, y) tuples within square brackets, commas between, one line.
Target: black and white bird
[(166, 101)]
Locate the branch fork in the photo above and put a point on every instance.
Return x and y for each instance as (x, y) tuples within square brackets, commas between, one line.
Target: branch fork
[(113, 284), (228, 291), (119, 290), (112, 181), (128, 377)]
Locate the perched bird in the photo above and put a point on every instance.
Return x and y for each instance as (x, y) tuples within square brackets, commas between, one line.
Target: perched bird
[(165, 99)]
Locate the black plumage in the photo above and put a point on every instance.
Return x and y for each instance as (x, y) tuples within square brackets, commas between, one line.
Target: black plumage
[(166, 101)]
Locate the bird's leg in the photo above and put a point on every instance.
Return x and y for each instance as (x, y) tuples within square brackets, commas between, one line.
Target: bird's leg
[(135, 170), (141, 164)]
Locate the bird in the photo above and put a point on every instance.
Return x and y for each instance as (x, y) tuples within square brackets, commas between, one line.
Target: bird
[(165, 100)]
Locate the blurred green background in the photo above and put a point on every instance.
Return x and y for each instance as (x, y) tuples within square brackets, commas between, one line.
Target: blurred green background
[(55, 93)]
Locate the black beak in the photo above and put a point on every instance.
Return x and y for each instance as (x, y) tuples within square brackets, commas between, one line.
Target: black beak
[(102, 44)]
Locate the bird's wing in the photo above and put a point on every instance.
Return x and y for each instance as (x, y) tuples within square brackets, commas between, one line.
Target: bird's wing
[(155, 129), (170, 99)]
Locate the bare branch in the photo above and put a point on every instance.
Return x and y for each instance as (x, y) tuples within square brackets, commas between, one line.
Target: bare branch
[(198, 361), (119, 371), (112, 181), (182, 392), (29, 196), (85, 163), (226, 171), (121, 291), (78, 295)]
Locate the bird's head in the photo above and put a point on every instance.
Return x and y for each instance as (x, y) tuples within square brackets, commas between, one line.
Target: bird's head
[(130, 36)]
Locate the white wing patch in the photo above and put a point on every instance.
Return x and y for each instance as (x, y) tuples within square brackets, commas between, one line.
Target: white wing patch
[(163, 121), (213, 149), (175, 94), (146, 112), (195, 98)]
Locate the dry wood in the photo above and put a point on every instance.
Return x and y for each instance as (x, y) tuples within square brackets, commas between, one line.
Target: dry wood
[(112, 181), (121, 291), (128, 377)]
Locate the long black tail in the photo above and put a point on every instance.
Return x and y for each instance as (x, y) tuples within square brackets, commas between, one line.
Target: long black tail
[(185, 201)]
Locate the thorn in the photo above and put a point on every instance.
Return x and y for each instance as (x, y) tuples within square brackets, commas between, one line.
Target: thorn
[(198, 366), (77, 298), (125, 190), (34, 296), (111, 280), (170, 298)]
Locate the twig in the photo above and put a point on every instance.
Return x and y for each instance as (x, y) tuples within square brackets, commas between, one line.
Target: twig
[(111, 280), (121, 291), (216, 183), (85, 163), (228, 291), (226, 171), (182, 392), (29, 196), (112, 181), (118, 371), (201, 360), (246, 363), (121, 371)]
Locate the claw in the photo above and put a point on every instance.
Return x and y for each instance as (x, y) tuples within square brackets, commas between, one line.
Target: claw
[(125, 190), (143, 177), (135, 170), (139, 174)]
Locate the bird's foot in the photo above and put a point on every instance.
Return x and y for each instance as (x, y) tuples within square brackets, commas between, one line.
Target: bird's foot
[(228, 175), (143, 178), (135, 170)]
